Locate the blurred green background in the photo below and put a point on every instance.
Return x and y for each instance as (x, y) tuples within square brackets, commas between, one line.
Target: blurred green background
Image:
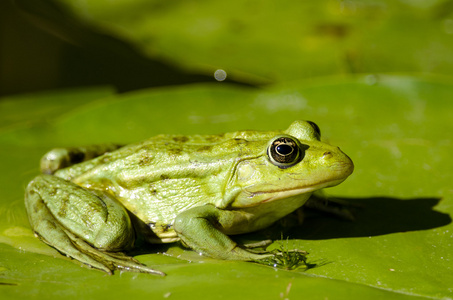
[(375, 75), (142, 43)]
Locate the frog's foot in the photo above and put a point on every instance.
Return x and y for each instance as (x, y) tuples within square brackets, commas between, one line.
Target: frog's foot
[(90, 228), (78, 249), (286, 259), (60, 158)]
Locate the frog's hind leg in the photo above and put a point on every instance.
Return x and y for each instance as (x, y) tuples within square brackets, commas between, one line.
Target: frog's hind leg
[(60, 158), (91, 228)]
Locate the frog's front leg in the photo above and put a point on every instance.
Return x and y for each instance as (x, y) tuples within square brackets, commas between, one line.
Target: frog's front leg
[(60, 158), (201, 228), (87, 226)]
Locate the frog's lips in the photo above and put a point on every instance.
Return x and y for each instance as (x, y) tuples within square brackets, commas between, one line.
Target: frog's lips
[(271, 195)]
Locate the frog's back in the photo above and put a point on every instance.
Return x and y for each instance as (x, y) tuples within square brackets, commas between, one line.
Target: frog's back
[(167, 149), (164, 175)]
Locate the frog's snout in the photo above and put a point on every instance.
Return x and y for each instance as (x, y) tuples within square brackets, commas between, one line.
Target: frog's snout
[(339, 161), (347, 165)]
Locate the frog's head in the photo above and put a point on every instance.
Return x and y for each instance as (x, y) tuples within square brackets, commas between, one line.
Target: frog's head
[(288, 164)]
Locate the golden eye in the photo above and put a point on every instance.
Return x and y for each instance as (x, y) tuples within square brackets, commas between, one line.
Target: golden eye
[(284, 152)]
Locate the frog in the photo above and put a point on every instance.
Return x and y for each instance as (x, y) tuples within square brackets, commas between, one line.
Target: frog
[(93, 203)]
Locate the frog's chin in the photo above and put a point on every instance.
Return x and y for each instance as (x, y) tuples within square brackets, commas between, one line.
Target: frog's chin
[(251, 198), (276, 195)]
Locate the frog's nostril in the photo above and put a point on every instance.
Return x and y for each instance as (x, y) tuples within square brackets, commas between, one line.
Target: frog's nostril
[(327, 154)]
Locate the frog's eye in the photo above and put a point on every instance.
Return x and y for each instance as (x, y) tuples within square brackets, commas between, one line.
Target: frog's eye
[(284, 152), (315, 127)]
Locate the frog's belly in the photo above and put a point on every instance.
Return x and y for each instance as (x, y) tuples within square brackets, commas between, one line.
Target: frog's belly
[(153, 228), (156, 216), (162, 233)]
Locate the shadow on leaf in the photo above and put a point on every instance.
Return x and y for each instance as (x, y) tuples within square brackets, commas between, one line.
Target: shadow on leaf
[(376, 216), (91, 55)]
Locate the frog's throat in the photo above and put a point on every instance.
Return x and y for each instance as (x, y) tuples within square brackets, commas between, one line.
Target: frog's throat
[(264, 196)]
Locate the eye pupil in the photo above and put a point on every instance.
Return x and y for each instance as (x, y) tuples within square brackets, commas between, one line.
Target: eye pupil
[(284, 149)]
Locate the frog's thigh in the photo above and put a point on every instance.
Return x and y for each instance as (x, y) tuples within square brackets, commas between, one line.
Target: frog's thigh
[(198, 228), (66, 216)]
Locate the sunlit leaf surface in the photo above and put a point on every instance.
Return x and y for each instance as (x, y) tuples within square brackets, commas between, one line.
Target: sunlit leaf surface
[(397, 130)]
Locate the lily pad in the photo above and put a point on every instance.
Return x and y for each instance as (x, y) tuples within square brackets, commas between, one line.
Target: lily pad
[(266, 41), (395, 129)]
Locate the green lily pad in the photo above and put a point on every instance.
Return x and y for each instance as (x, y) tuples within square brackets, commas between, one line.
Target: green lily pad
[(395, 128), (38, 107), (266, 41)]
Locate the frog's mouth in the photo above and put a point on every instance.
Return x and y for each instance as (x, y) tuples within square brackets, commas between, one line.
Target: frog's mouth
[(272, 195)]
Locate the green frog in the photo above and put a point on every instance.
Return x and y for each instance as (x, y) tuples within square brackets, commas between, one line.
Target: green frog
[(91, 203)]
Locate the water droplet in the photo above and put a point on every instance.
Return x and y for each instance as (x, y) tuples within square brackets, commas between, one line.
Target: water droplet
[(220, 75)]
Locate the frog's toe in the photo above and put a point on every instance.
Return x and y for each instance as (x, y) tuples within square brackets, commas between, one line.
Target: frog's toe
[(123, 262), (111, 261), (260, 244)]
